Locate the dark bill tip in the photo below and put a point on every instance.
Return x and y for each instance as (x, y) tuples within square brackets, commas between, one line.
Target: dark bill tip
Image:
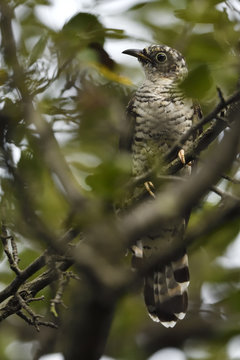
[(136, 53), (132, 52)]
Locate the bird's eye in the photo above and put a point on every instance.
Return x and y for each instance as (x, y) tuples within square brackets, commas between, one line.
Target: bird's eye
[(161, 57)]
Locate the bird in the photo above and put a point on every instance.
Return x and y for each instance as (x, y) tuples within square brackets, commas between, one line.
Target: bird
[(159, 113)]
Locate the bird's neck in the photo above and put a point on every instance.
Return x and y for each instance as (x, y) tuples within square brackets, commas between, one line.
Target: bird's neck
[(161, 85)]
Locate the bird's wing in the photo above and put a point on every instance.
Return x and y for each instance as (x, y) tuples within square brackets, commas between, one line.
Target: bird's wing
[(127, 131), (198, 114)]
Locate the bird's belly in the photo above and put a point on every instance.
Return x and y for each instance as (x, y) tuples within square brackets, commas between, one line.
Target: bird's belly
[(158, 127), (168, 119)]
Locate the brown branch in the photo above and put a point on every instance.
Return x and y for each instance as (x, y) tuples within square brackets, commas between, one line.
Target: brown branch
[(63, 282), (199, 145), (64, 278), (12, 255), (34, 317), (212, 115), (22, 277), (35, 266), (232, 180), (34, 323), (30, 289)]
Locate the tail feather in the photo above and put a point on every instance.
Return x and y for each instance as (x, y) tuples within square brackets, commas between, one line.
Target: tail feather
[(165, 292)]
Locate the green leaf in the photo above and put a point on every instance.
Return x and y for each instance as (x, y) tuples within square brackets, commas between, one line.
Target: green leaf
[(115, 34), (38, 49), (85, 26), (109, 177), (3, 76), (204, 48), (198, 82), (204, 14), (138, 6), (223, 236)]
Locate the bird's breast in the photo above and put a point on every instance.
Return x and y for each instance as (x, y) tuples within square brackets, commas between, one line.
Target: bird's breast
[(162, 114)]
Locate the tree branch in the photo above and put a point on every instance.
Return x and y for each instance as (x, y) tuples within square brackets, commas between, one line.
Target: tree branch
[(178, 200), (19, 283), (200, 143), (212, 115), (47, 143), (30, 289)]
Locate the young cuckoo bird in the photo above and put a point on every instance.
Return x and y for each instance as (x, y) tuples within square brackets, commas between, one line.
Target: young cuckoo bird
[(161, 114)]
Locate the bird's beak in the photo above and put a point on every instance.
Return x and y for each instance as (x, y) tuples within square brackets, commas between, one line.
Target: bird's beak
[(137, 53)]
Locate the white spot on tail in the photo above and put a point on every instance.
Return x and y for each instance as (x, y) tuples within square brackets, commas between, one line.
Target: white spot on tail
[(154, 317), (169, 324), (180, 316), (181, 263), (184, 286)]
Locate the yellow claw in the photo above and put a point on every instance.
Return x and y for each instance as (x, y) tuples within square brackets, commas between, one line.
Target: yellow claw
[(181, 155), (138, 250), (148, 185)]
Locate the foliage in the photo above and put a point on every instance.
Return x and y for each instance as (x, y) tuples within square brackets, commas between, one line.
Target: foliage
[(63, 101)]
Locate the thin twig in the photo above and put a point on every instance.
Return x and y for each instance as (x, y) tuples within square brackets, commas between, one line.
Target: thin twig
[(64, 278), (221, 97), (36, 265), (200, 144), (212, 115), (31, 288), (232, 180), (31, 322), (12, 256), (35, 318), (22, 277)]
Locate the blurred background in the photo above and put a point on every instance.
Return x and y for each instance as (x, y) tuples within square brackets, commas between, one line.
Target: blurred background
[(80, 83)]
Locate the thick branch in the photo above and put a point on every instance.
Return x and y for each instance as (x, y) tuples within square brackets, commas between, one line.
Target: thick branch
[(36, 265), (22, 277), (29, 290)]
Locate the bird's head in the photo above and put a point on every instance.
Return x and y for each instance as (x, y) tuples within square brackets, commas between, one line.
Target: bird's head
[(160, 61)]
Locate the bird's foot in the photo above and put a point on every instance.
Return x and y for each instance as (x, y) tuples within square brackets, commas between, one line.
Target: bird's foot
[(137, 250), (181, 155), (149, 187)]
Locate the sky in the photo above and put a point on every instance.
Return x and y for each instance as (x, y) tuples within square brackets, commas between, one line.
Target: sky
[(112, 16)]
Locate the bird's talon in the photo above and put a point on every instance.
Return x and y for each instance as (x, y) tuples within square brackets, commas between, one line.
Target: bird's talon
[(148, 185), (181, 155), (137, 251)]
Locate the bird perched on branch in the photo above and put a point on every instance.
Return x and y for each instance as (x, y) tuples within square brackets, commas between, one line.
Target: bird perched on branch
[(160, 114)]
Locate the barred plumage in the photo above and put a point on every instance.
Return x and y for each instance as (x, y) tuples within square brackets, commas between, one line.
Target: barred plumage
[(161, 115)]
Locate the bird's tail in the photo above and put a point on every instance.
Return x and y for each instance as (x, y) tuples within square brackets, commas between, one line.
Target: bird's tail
[(165, 291)]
